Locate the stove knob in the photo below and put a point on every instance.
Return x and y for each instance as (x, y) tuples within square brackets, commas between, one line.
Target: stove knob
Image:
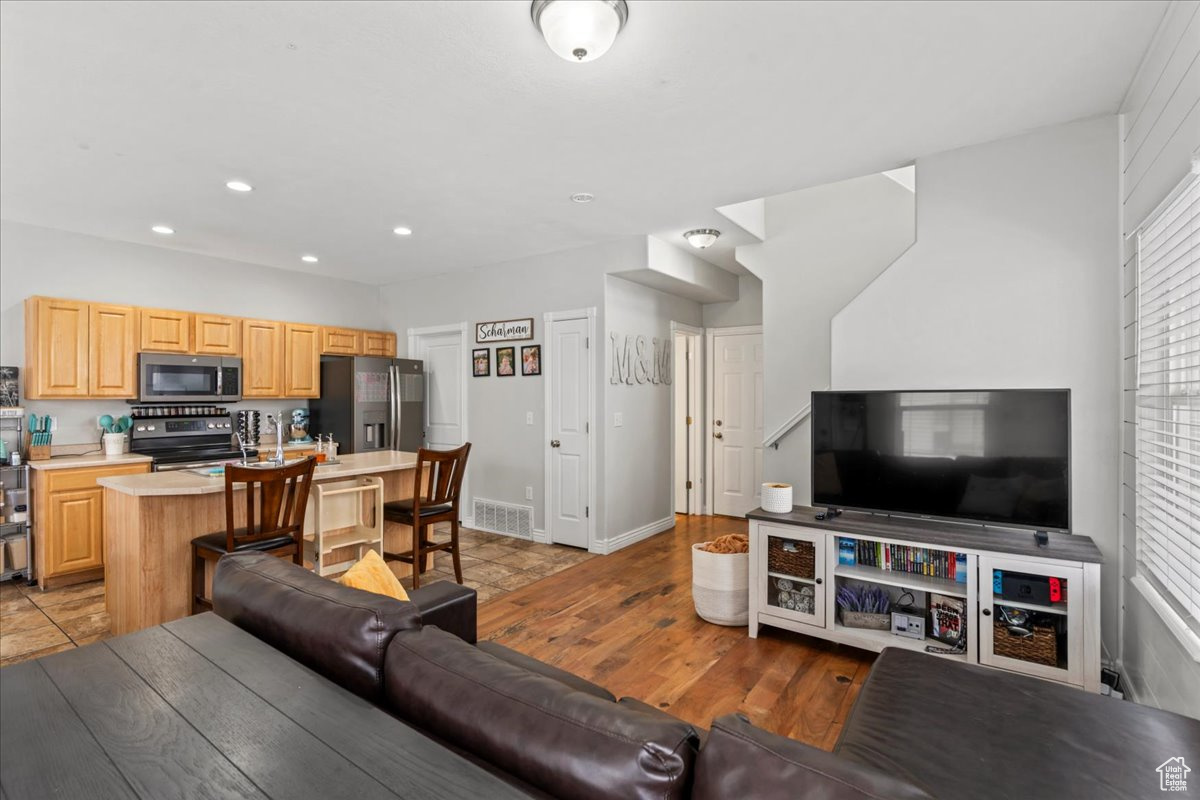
[(212, 425), (149, 427), (140, 428)]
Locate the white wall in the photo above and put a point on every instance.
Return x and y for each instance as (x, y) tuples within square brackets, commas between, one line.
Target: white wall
[(823, 246), (746, 310), (1160, 135), (638, 456), (1012, 283), (44, 261)]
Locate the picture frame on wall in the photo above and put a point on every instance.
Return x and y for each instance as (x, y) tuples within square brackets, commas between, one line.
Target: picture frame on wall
[(506, 361), (531, 359), (481, 362)]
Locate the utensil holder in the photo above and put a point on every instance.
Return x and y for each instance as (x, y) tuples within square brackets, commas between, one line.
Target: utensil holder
[(114, 444)]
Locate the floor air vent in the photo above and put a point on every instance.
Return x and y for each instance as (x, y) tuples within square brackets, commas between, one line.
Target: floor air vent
[(504, 518)]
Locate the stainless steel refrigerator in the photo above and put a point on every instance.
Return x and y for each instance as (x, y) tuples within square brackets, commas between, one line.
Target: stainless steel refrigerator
[(371, 403)]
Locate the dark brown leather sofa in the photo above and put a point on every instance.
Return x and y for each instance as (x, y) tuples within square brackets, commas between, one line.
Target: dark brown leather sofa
[(921, 726)]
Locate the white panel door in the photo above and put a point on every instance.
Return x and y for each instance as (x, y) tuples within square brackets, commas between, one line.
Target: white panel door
[(445, 381), (737, 423), (570, 387)]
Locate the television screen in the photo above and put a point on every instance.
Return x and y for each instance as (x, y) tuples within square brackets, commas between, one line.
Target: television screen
[(986, 456)]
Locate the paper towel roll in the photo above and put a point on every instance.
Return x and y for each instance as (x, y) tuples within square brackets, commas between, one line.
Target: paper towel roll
[(777, 497)]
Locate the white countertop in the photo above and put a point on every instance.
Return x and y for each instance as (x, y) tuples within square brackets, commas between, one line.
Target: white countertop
[(184, 482), (90, 460)]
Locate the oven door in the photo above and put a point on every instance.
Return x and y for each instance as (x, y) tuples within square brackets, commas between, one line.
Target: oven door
[(170, 378)]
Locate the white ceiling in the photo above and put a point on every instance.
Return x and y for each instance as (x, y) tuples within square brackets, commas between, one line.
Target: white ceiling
[(455, 119)]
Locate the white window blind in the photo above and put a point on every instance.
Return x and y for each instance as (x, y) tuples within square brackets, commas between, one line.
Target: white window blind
[(1168, 402)]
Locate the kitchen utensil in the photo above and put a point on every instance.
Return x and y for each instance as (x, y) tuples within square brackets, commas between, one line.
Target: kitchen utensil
[(124, 424), (106, 422)]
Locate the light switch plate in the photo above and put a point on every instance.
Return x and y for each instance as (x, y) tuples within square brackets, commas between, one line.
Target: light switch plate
[(618, 419), (528, 419), (528, 492)]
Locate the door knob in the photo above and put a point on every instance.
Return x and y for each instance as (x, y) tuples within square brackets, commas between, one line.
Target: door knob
[(718, 435), (555, 442), (717, 423)]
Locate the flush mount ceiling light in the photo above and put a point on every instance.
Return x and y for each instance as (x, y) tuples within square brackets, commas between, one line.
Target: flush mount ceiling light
[(310, 259), (702, 237), (239, 186), (582, 197), (402, 231), (579, 30), (163, 229)]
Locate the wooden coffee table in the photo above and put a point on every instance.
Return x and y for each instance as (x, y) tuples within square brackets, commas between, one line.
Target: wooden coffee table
[(200, 708)]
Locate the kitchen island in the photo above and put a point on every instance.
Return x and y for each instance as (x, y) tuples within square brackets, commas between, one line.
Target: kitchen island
[(151, 519)]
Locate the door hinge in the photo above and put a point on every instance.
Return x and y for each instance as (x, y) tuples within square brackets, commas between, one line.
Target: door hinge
[(689, 420), (587, 511), (689, 484), (587, 427), (587, 343)]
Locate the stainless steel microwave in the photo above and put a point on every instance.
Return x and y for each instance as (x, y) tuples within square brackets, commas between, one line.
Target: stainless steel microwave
[(164, 378)]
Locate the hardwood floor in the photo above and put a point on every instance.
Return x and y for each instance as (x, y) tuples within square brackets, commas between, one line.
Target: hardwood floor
[(626, 621)]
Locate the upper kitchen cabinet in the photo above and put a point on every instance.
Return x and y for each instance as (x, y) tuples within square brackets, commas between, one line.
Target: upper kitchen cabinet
[(56, 348), (302, 361), (112, 364), (341, 342), (217, 336), (262, 358), (165, 331), (379, 343)]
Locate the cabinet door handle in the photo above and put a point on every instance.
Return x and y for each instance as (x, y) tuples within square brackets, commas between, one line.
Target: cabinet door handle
[(819, 581)]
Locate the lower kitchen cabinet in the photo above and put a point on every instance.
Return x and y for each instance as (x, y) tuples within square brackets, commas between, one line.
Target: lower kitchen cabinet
[(68, 519)]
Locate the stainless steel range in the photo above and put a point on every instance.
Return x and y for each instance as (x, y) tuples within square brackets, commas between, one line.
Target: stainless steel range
[(185, 437)]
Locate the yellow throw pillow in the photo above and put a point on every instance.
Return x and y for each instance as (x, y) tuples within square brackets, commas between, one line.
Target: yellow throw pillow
[(372, 574)]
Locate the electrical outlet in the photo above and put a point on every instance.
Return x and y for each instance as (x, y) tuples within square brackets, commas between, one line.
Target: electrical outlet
[(528, 492), (618, 419), (528, 417), (53, 424)]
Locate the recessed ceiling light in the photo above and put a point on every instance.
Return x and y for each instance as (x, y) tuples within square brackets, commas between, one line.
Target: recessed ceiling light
[(310, 259), (702, 237), (239, 186), (582, 197), (163, 229), (402, 231)]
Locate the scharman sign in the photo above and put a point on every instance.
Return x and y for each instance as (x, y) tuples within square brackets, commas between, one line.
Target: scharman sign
[(506, 330)]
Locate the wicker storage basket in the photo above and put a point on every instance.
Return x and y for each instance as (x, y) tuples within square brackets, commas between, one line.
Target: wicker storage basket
[(1041, 648), (800, 564), (721, 586)]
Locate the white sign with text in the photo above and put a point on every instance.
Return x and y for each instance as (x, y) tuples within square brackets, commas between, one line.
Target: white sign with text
[(506, 330)]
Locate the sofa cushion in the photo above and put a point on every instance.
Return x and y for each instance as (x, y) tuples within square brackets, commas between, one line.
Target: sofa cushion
[(542, 668), (960, 730), (565, 742), (740, 760), (340, 632)]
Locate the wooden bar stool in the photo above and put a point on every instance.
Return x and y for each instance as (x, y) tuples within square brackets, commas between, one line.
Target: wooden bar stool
[(436, 502), (279, 529)]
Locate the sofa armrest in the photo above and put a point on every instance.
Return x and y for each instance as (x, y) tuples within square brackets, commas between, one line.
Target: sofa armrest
[(449, 606)]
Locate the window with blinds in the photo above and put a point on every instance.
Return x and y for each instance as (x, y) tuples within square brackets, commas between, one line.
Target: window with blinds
[(1168, 402)]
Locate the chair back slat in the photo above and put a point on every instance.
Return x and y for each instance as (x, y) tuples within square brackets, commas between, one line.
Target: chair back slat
[(283, 498), (439, 476)]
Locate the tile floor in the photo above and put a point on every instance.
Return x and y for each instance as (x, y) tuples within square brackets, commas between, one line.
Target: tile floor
[(34, 623)]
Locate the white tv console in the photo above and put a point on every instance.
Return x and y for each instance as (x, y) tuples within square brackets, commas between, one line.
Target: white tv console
[(1074, 560)]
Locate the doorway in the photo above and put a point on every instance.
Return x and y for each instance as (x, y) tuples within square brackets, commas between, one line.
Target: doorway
[(686, 414), (735, 419), (570, 409), (444, 351)]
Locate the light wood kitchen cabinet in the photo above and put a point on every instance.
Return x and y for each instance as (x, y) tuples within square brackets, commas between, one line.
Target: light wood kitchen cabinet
[(112, 361), (341, 342), (56, 348), (302, 361), (165, 331), (69, 509), (216, 336), (379, 343), (262, 358)]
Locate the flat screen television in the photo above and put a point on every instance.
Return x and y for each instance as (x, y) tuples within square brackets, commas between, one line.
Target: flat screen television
[(1000, 456)]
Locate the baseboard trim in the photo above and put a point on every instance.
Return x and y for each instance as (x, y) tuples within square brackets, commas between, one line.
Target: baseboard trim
[(540, 536), (630, 537)]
